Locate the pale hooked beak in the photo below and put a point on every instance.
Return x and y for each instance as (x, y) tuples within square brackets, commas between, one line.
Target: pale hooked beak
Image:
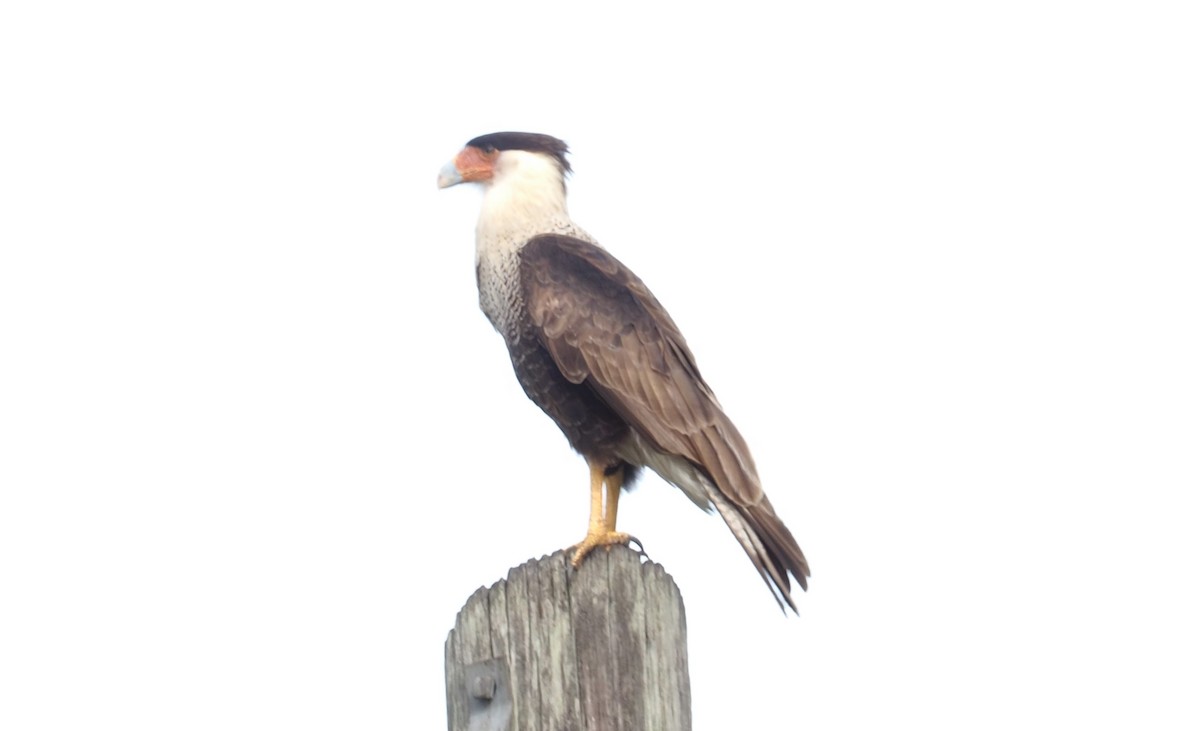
[(449, 175)]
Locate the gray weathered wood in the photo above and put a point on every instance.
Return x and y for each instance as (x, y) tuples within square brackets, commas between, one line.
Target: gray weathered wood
[(550, 648)]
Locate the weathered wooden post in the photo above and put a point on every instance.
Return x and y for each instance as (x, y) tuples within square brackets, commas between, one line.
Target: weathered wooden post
[(601, 648)]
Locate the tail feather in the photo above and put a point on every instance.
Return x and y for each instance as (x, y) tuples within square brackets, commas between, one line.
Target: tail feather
[(763, 536), (769, 544)]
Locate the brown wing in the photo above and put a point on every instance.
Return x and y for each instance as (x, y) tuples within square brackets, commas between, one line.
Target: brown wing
[(603, 326)]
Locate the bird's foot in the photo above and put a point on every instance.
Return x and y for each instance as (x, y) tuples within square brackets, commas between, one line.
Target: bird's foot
[(601, 537)]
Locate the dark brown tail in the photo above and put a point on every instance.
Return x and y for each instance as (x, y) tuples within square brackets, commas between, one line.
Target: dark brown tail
[(768, 543)]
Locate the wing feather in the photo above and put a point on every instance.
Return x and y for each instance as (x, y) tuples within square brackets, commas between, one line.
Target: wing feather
[(603, 327)]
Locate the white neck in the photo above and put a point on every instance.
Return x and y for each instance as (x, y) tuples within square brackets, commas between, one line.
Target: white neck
[(526, 196)]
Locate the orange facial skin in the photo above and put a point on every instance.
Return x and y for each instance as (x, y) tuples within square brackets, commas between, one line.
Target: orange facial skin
[(475, 165)]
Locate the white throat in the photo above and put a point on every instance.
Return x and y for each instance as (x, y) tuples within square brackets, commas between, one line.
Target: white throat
[(525, 197)]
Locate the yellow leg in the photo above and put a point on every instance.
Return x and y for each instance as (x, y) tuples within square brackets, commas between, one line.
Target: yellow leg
[(613, 482), (601, 523), (596, 517)]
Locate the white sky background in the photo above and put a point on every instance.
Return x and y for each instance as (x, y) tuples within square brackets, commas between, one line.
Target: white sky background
[(258, 445)]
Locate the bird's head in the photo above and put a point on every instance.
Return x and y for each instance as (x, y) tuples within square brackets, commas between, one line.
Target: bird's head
[(490, 157)]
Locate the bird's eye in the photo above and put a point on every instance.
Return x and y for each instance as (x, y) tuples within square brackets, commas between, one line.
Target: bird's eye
[(489, 149)]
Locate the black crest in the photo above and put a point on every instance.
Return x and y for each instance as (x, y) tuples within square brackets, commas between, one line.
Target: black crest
[(528, 141)]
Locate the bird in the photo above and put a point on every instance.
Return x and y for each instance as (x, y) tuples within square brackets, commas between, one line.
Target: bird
[(597, 352)]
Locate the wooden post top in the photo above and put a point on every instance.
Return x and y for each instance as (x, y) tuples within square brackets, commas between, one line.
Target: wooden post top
[(551, 648)]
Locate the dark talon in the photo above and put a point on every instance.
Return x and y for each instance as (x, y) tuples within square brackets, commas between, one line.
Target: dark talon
[(640, 549)]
